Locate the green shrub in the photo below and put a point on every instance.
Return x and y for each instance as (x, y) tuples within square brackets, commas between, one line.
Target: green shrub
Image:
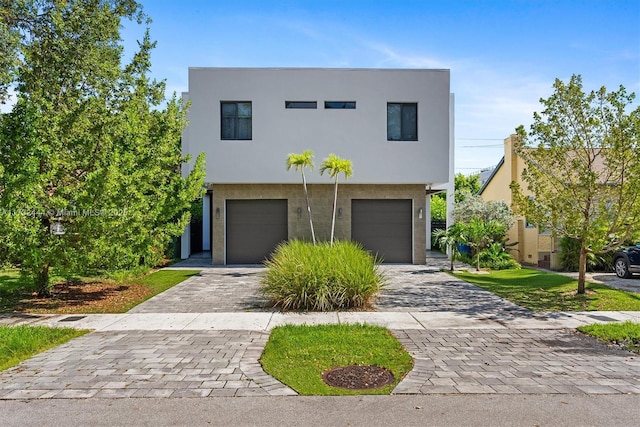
[(301, 276), (570, 257), (496, 258)]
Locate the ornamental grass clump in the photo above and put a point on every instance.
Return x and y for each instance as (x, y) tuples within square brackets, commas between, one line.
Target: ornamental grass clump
[(301, 276)]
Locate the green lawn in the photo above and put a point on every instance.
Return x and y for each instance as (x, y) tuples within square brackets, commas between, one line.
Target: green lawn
[(18, 343), (626, 334), (542, 291), (298, 355)]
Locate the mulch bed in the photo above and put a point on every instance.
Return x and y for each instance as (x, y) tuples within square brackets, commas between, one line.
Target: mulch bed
[(84, 297), (355, 377)]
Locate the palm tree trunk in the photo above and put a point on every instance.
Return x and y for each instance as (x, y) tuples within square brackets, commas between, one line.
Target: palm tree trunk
[(335, 202), (306, 196)]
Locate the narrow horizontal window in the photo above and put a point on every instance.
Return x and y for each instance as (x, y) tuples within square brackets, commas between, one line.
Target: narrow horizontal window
[(345, 105), (301, 104)]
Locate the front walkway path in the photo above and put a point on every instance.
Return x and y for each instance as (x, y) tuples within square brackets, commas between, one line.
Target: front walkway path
[(204, 337)]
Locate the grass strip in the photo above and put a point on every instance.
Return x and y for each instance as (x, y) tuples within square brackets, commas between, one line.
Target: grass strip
[(18, 343), (298, 355), (543, 291), (626, 335)]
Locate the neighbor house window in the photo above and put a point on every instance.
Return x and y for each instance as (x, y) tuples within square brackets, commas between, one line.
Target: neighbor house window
[(348, 105), (402, 121), (236, 120), (301, 104)]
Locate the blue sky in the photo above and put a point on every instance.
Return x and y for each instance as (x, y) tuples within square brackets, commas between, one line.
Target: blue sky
[(503, 55)]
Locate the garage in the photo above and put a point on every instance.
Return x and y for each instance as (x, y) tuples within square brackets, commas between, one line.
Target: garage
[(384, 227), (253, 229)]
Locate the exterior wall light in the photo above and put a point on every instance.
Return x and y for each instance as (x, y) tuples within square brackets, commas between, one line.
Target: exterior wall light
[(299, 210), (217, 213), (420, 213)]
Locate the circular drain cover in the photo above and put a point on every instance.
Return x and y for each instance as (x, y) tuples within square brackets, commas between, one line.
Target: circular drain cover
[(356, 377)]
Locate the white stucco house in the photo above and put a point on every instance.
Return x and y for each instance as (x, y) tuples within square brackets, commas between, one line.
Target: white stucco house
[(395, 125)]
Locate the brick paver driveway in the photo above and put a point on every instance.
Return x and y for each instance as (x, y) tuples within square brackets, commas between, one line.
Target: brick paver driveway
[(209, 363)]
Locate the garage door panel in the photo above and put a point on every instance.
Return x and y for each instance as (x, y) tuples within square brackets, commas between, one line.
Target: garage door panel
[(384, 227), (253, 229)]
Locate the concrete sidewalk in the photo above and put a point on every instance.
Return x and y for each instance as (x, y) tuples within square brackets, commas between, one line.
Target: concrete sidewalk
[(265, 321)]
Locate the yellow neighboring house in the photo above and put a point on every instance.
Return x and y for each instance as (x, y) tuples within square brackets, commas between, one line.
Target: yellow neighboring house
[(535, 247)]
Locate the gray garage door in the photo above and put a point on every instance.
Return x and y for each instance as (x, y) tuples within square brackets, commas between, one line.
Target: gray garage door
[(384, 228), (254, 229)]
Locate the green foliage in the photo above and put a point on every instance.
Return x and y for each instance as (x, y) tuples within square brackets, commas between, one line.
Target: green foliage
[(18, 343), (542, 291), (298, 355), (300, 162), (335, 166), (438, 207), (322, 277), (626, 335), (570, 257), (496, 257), (582, 168), (474, 207), (90, 145), (466, 186)]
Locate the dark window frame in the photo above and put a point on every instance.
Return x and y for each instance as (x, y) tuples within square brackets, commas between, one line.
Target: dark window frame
[(235, 119), (301, 105), (340, 105), (406, 129)]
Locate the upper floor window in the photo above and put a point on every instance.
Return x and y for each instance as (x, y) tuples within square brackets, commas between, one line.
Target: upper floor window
[(402, 121), (349, 105), (301, 104), (235, 122)]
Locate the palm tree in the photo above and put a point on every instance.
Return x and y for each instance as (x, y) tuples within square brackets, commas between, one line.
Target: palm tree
[(335, 165), (450, 239), (300, 162)]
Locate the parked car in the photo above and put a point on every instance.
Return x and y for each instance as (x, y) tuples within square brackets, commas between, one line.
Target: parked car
[(627, 261)]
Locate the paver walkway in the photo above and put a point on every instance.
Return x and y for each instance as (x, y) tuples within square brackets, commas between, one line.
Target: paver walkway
[(490, 351), (146, 364), (549, 361)]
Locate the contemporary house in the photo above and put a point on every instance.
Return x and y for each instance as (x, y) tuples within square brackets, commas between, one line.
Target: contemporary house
[(535, 247), (396, 126)]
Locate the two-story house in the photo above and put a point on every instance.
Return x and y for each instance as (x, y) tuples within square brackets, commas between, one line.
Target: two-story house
[(396, 126)]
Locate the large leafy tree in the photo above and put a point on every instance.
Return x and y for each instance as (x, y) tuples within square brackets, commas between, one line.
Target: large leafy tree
[(301, 162), (91, 149), (335, 166), (582, 170)]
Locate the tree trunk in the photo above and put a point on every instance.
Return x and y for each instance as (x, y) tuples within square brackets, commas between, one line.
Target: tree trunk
[(582, 268), (306, 196), (335, 202), (41, 280)]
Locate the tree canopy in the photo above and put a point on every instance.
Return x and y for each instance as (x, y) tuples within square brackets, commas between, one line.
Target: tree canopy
[(582, 169), (90, 152)]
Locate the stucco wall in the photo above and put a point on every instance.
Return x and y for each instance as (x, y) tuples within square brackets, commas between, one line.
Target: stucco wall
[(359, 134), (321, 196)]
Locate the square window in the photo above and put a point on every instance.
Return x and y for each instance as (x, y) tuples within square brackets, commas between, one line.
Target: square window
[(402, 121), (235, 123)]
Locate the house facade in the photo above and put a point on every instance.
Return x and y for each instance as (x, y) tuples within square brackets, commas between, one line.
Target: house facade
[(396, 126), (534, 246)]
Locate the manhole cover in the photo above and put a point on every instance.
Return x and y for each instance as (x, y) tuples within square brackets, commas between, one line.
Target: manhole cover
[(356, 377)]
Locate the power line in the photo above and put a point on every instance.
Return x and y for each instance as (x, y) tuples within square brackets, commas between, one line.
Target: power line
[(480, 139)]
